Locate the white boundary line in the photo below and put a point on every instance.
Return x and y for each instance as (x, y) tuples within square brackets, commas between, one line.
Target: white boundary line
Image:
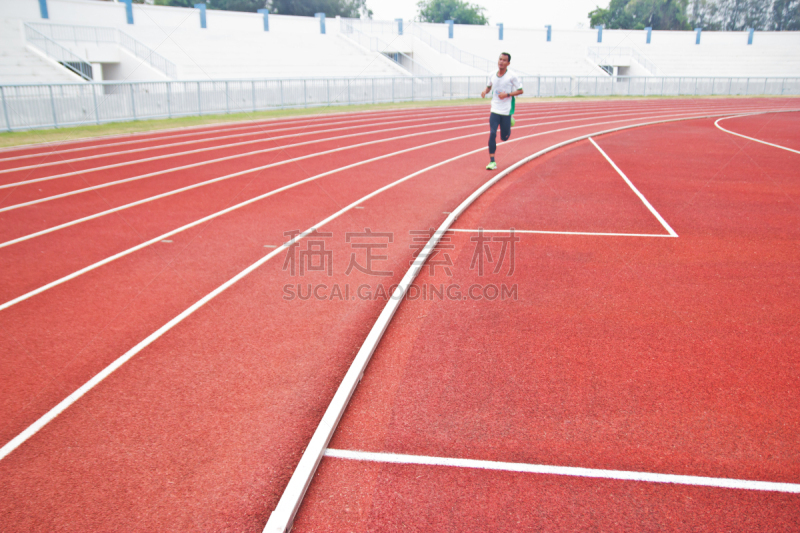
[(265, 138), (625, 475), (243, 143), (542, 232), (89, 385), (282, 517), (261, 131), (211, 161), (228, 176), (280, 121), (196, 222), (214, 180), (635, 190), (290, 501), (114, 257), (716, 123), (215, 127)]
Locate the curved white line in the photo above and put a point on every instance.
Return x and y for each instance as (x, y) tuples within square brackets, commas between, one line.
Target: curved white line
[(201, 150), (107, 371), (114, 257), (716, 123), (262, 130), (264, 133), (140, 246), (282, 517), (252, 124), (237, 156), (209, 128)]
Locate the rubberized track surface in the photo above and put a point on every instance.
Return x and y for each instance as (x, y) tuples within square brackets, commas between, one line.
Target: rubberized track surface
[(626, 349)]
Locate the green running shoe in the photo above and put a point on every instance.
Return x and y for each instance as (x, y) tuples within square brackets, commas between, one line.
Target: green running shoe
[(491, 166)]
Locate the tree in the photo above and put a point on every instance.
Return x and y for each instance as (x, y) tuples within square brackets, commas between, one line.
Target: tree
[(639, 14), (456, 10), (739, 15), (331, 8), (176, 3), (785, 15), (237, 5), (303, 8), (614, 17)]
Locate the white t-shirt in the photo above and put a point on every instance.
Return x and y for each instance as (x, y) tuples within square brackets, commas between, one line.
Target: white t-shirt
[(508, 83)]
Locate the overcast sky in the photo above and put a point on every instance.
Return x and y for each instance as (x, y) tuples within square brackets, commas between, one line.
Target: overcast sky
[(567, 14)]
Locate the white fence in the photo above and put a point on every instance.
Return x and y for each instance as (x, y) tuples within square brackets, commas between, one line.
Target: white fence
[(73, 104)]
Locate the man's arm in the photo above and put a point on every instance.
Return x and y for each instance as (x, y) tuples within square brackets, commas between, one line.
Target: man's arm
[(512, 93), (486, 90)]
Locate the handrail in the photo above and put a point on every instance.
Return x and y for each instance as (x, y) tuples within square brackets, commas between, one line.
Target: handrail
[(485, 65), (64, 32), (598, 53), (142, 51), (55, 51), (456, 53), (375, 44), (102, 34)]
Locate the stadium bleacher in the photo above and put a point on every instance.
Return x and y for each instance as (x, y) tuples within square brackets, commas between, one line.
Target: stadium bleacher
[(235, 46)]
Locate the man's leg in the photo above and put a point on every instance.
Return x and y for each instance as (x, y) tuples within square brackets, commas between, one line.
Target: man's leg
[(494, 122), (505, 127)]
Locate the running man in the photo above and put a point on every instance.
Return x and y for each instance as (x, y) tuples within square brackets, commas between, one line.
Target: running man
[(505, 86)]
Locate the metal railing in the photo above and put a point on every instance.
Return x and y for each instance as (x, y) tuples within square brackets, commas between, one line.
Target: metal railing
[(73, 104), (105, 35), (456, 53), (55, 51), (415, 30), (154, 59), (368, 25), (76, 34), (601, 54), (376, 44)]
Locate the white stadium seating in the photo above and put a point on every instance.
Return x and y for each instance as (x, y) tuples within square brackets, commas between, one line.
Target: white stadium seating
[(235, 46)]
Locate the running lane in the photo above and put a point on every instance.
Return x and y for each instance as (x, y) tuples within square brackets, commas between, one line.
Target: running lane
[(126, 229), (201, 430), (644, 354), (775, 128), (20, 218), (56, 150), (133, 296)]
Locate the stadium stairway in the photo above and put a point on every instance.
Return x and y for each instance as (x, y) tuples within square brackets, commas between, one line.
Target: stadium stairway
[(21, 64)]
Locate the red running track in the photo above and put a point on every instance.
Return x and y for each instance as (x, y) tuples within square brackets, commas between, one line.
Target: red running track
[(622, 353), (202, 428)]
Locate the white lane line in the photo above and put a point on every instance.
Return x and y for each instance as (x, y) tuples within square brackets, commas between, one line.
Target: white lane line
[(229, 176), (200, 151), (207, 218), (247, 154), (31, 430), (227, 210), (261, 131), (281, 519), (716, 123), (542, 232), (310, 119), (265, 138), (635, 190), (237, 156), (149, 136), (625, 475)]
